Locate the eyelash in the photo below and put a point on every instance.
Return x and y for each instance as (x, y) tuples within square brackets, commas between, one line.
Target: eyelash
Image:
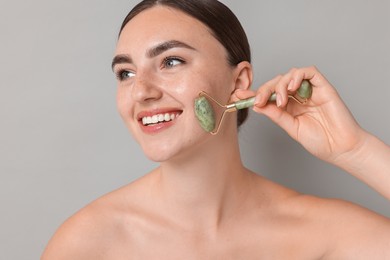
[(165, 64), (170, 59), (120, 74)]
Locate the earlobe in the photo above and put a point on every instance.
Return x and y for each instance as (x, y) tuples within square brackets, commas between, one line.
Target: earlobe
[(244, 76)]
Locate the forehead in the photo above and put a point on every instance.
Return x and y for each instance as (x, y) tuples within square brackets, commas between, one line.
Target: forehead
[(162, 23)]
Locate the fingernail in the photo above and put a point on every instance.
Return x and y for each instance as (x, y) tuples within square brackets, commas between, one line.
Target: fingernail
[(278, 100), (290, 85), (257, 99)]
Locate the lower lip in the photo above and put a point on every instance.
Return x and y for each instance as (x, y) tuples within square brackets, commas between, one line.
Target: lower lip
[(156, 128)]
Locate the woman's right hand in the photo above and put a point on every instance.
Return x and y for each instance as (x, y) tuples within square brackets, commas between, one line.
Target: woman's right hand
[(324, 125)]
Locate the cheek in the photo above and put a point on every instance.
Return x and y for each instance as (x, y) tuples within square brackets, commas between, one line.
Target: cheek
[(124, 107), (122, 103), (216, 79), (219, 89), (197, 81), (182, 84)]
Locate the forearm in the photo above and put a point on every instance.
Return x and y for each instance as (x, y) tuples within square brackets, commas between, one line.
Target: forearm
[(370, 163)]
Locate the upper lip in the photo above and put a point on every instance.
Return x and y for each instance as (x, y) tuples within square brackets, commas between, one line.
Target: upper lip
[(157, 111)]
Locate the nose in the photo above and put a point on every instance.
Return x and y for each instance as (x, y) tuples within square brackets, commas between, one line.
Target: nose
[(145, 89)]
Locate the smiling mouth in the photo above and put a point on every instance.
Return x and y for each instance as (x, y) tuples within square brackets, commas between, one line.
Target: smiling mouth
[(159, 118)]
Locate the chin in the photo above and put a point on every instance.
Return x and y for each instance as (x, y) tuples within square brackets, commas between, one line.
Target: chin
[(159, 158), (164, 157), (160, 152), (163, 152)]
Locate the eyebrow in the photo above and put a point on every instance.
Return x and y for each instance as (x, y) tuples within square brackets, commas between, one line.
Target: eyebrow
[(120, 59), (152, 52), (162, 47)]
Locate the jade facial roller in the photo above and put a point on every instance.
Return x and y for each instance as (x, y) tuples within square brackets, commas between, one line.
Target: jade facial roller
[(208, 110)]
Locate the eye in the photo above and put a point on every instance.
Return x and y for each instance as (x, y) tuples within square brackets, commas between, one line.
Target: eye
[(171, 62), (122, 75)]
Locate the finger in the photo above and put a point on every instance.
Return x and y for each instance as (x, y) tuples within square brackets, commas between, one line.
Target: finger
[(296, 77), (265, 91), (281, 90), (240, 94), (323, 91), (309, 73)]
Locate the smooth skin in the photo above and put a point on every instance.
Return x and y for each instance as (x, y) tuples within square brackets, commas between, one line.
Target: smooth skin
[(201, 202)]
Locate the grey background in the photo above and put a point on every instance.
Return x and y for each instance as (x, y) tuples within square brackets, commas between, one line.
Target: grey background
[(62, 143)]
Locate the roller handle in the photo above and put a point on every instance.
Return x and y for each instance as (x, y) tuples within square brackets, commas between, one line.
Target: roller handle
[(304, 91)]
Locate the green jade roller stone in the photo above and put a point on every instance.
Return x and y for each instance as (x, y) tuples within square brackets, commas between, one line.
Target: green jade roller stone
[(205, 114), (304, 91)]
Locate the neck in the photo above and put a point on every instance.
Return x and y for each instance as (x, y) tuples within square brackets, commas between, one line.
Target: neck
[(206, 185)]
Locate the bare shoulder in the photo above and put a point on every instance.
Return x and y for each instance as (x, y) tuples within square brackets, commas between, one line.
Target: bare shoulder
[(93, 232), (330, 210), (349, 231), (353, 232), (77, 237), (338, 229)]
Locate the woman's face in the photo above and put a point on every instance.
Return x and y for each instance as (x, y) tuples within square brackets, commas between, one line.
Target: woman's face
[(164, 58)]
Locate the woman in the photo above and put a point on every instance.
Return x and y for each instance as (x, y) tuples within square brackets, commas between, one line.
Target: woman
[(201, 202)]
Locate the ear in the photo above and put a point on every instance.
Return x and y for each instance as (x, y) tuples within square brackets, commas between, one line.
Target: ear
[(243, 76)]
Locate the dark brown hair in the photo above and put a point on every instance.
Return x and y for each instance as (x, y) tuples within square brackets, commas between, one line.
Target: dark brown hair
[(221, 21)]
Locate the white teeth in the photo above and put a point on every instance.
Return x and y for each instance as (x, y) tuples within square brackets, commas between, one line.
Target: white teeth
[(167, 117), (147, 120), (161, 118)]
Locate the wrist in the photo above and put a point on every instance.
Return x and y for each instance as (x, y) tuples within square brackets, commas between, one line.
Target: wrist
[(355, 157), (369, 162)]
